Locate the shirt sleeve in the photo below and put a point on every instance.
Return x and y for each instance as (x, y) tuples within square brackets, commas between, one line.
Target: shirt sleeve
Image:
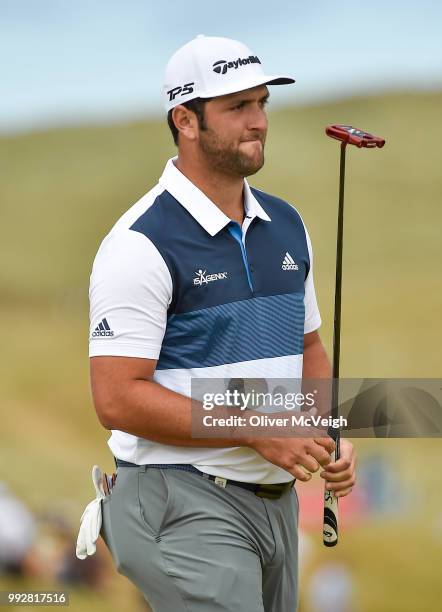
[(312, 319), (130, 291)]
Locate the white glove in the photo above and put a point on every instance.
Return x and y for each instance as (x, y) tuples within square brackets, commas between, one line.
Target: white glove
[(90, 522)]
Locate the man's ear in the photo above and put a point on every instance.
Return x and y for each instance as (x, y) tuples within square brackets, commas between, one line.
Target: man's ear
[(186, 122)]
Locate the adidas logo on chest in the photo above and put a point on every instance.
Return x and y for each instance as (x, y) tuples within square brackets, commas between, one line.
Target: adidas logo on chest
[(288, 263)]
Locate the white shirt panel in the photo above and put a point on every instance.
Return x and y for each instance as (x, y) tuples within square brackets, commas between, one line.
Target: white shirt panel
[(312, 317), (239, 463)]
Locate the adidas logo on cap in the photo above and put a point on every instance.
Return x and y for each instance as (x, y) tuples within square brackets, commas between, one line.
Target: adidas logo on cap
[(102, 329), (288, 263)]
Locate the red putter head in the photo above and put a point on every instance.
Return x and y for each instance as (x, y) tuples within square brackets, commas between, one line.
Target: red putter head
[(351, 135)]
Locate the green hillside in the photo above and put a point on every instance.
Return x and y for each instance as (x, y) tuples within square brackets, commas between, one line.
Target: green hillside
[(62, 190)]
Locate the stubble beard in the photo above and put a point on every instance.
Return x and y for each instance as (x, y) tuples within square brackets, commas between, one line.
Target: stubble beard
[(227, 159)]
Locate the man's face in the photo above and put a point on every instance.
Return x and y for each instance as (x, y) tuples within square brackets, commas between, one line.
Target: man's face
[(234, 131)]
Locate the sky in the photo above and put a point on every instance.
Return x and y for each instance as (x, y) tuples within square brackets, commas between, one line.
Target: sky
[(69, 62)]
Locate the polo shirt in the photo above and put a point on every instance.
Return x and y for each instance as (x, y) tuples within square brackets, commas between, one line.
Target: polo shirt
[(177, 281)]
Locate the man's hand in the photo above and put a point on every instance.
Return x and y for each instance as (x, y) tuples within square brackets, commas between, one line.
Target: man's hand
[(340, 475), (299, 456)]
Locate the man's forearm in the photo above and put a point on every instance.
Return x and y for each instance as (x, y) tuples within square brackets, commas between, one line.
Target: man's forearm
[(148, 410), (316, 366), (316, 363)]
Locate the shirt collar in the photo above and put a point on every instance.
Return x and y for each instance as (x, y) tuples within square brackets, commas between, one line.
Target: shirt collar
[(252, 207), (202, 209)]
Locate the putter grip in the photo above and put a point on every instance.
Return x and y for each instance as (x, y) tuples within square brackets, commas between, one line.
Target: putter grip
[(330, 525)]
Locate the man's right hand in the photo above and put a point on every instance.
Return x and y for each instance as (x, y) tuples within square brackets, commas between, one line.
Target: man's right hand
[(299, 456)]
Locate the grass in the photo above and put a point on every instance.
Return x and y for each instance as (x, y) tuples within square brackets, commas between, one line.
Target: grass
[(62, 190)]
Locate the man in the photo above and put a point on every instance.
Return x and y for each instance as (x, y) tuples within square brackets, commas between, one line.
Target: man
[(206, 277)]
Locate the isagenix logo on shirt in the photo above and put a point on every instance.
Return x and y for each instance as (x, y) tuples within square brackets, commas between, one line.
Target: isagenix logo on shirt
[(202, 278)]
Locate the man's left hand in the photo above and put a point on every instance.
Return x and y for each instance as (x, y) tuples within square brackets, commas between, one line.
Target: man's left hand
[(341, 475)]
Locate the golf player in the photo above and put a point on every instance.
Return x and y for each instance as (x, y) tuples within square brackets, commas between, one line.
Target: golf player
[(207, 277)]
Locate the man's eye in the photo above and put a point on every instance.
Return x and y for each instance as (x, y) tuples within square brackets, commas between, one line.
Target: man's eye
[(238, 106)]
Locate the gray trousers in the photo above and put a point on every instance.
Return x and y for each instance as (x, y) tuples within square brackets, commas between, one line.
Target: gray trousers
[(192, 546)]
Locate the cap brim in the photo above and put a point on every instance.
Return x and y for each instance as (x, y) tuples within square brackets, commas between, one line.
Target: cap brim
[(281, 80), (248, 84)]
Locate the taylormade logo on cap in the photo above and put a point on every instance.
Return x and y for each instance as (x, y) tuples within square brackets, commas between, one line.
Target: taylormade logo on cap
[(222, 66), (194, 71)]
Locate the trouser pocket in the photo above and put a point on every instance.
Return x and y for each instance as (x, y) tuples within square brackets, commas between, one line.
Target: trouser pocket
[(155, 497)]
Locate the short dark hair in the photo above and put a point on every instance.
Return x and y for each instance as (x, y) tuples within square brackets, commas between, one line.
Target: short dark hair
[(197, 106)]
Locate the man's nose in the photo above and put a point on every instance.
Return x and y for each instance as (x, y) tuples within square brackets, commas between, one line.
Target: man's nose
[(257, 119)]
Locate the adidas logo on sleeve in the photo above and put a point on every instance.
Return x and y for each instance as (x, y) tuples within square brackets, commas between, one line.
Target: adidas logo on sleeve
[(288, 263), (102, 329)]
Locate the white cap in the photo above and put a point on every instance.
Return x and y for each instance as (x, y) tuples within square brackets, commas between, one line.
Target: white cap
[(209, 66)]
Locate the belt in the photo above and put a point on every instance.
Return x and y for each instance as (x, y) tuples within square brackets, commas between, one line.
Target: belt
[(269, 491)]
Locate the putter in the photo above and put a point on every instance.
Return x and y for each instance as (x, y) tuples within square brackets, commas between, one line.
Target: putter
[(347, 135)]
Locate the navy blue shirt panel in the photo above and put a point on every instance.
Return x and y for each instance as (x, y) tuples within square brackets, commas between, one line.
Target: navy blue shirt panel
[(225, 321), (187, 247)]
